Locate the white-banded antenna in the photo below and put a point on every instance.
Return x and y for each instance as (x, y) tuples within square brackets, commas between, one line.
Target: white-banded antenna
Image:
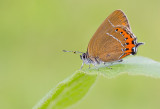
[(75, 52)]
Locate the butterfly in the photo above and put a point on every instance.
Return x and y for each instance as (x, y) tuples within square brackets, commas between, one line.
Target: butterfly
[(112, 41)]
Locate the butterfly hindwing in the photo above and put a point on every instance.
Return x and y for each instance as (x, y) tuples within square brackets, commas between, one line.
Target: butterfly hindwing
[(106, 43)]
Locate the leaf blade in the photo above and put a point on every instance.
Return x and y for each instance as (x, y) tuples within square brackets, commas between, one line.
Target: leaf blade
[(136, 65), (68, 92), (82, 81)]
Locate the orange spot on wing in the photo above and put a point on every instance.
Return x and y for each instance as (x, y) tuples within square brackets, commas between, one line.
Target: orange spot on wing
[(130, 45)]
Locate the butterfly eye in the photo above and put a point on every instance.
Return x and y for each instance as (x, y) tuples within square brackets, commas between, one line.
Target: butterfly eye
[(84, 56)]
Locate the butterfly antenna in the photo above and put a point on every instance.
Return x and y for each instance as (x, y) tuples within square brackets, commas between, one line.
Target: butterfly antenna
[(75, 52)]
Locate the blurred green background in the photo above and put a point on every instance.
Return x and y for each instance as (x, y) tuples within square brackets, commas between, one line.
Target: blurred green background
[(33, 34)]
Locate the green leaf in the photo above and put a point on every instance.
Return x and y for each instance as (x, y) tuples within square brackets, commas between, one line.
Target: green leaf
[(76, 87), (136, 65), (68, 92)]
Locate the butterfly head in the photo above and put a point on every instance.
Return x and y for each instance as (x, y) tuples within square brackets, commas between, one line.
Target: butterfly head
[(85, 58)]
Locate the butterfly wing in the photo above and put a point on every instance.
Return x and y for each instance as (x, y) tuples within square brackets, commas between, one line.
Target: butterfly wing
[(119, 18), (106, 44)]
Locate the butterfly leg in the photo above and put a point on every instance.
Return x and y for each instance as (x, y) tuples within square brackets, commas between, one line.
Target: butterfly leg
[(95, 66), (82, 66), (107, 66), (120, 60), (89, 66)]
